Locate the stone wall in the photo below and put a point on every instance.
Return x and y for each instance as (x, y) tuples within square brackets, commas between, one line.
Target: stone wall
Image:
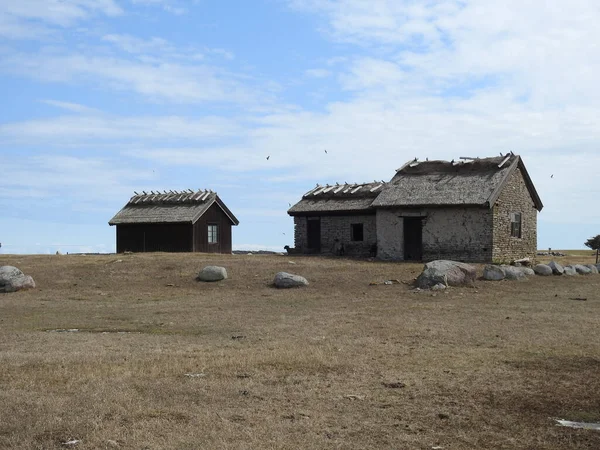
[(300, 227), (514, 198), (461, 234), (340, 228)]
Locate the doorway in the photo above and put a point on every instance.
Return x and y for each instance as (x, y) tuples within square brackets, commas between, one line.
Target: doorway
[(313, 231), (413, 238)]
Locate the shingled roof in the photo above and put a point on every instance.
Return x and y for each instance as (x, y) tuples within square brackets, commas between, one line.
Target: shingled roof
[(338, 198), (477, 181), (169, 207)]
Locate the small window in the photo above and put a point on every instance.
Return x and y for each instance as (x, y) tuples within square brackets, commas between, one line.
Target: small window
[(213, 234), (357, 232), (515, 225)]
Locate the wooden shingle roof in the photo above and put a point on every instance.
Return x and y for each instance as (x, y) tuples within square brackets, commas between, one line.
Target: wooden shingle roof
[(169, 207)]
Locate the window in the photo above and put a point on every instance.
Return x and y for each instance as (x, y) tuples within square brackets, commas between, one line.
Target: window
[(357, 232), (515, 225), (213, 234)]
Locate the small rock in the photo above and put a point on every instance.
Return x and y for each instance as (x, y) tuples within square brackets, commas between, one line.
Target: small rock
[(543, 270), (439, 287), (284, 280), (443, 416), (557, 269), (493, 273), (212, 273), (394, 385)]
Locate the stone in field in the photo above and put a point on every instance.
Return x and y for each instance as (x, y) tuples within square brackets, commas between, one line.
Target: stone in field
[(212, 273)]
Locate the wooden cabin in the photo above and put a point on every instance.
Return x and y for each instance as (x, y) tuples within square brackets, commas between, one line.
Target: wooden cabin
[(173, 221)]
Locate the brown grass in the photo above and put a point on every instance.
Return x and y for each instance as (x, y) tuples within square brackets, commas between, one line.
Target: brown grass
[(483, 367)]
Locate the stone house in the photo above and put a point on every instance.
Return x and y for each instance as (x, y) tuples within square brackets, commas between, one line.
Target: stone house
[(472, 210)]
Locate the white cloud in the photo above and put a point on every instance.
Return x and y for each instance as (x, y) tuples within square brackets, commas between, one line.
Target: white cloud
[(57, 12), (170, 6), (73, 107), (84, 130), (156, 80), (317, 73)]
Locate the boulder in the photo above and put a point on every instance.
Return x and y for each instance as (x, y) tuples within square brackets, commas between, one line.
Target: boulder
[(493, 273), (592, 267), (527, 271), (12, 280), (582, 270), (212, 273), (514, 273), (284, 280), (431, 277), (557, 269), (570, 271), (457, 273), (543, 270)]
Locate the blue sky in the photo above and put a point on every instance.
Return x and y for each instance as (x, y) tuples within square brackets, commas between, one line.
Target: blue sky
[(104, 97)]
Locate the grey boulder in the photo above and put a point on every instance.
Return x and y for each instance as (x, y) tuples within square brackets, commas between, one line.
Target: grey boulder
[(514, 273), (431, 277), (13, 280), (212, 273), (592, 267), (543, 270), (493, 273), (582, 270), (457, 273), (284, 280), (557, 269), (570, 271), (527, 271)]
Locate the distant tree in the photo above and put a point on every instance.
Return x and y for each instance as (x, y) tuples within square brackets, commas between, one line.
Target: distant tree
[(593, 243)]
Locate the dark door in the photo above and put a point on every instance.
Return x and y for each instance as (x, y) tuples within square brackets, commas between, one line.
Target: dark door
[(314, 234), (413, 238)]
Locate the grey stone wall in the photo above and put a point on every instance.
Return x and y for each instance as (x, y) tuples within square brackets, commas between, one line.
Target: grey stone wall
[(300, 227), (514, 198), (339, 227), (462, 234)]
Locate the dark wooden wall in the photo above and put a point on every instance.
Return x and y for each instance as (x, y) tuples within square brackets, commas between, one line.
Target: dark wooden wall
[(155, 238), (214, 215)]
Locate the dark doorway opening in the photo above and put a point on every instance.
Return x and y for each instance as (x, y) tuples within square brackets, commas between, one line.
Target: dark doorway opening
[(314, 234), (413, 238)]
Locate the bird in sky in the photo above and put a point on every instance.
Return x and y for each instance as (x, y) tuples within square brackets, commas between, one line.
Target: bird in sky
[(268, 157), (325, 151), (552, 176)]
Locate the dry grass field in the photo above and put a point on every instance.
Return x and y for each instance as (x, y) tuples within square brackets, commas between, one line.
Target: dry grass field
[(339, 364)]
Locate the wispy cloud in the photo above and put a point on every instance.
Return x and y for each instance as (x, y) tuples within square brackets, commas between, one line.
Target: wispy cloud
[(58, 12), (73, 107), (162, 81), (317, 73), (84, 130), (171, 6)]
